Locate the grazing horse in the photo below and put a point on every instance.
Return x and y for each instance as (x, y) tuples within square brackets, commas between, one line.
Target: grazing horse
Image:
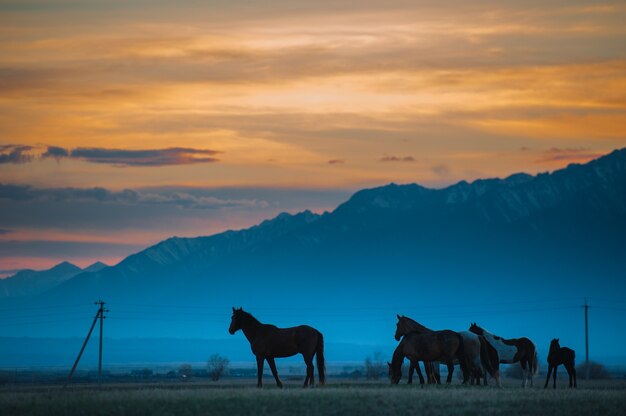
[(513, 350), (443, 346), (490, 360), (269, 342), (561, 355)]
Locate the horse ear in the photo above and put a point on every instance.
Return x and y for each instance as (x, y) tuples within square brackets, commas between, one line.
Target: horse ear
[(233, 309), (388, 363), (398, 316)]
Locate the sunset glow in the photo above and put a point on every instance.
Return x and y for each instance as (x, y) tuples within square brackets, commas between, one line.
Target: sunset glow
[(201, 106)]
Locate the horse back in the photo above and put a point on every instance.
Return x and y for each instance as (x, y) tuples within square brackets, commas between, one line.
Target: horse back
[(285, 342), (563, 355)]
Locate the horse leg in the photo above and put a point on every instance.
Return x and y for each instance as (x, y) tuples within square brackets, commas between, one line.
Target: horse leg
[(574, 372), (259, 370), (428, 369), (496, 375), (548, 378), (419, 373), (554, 376), (411, 368), (524, 376), (436, 375), (270, 361), (450, 366), (310, 375), (569, 374)]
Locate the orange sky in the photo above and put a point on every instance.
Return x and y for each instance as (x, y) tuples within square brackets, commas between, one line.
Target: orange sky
[(297, 95)]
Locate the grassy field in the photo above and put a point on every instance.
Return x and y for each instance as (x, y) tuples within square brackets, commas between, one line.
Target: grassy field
[(608, 398)]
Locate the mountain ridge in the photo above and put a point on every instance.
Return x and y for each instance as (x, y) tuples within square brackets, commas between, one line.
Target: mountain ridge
[(542, 230)]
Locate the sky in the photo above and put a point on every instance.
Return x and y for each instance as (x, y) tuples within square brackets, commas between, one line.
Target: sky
[(126, 122)]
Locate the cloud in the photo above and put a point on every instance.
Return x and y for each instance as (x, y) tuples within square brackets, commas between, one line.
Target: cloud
[(14, 153), (56, 152), (556, 154), (441, 170), (336, 162), (180, 199), (147, 157), (4, 231), (397, 159)]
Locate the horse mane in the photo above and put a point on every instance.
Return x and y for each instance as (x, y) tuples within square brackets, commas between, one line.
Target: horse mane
[(416, 324), (247, 317)]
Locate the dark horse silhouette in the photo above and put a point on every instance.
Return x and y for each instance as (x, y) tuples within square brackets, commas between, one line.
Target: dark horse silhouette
[(480, 357), (561, 355), (406, 325), (443, 346), (513, 350), (269, 342)]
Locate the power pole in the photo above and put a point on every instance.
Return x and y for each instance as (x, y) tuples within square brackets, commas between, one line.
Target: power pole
[(99, 315), (586, 306), (101, 311)]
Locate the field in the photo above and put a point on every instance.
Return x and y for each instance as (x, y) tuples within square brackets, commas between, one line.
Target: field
[(337, 398)]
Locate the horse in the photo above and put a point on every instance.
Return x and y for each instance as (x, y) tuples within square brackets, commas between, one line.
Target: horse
[(269, 342), (561, 355), (513, 350), (443, 346), (407, 325), (489, 360)]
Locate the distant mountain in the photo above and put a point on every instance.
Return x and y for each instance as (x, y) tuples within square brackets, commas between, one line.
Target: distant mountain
[(96, 267), (555, 233), (31, 282)]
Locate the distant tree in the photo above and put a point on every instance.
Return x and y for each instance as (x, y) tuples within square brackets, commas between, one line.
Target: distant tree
[(217, 366), (143, 373), (374, 366), (596, 371), (185, 371)]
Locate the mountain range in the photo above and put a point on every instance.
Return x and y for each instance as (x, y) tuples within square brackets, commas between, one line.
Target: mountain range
[(31, 282), (561, 233)]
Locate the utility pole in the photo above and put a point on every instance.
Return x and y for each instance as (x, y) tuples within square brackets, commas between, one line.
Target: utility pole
[(586, 306), (101, 311), (99, 315)]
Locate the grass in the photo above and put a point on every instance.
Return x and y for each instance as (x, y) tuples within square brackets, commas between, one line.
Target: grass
[(335, 399)]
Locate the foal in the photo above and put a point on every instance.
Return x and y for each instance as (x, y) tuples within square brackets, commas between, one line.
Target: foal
[(561, 355)]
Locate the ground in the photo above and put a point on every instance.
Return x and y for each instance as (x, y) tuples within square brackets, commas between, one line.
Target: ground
[(337, 398)]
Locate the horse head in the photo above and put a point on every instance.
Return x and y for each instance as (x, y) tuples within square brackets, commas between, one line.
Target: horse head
[(554, 344), (395, 374), (235, 321), (400, 328), (476, 329)]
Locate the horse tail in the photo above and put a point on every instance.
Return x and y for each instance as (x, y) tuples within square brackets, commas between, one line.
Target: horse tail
[(319, 354), (535, 364)]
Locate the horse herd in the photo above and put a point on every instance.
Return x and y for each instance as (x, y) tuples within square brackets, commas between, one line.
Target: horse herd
[(477, 351)]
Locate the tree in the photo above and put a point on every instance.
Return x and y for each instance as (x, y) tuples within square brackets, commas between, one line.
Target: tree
[(596, 371), (374, 366), (185, 371), (217, 366)]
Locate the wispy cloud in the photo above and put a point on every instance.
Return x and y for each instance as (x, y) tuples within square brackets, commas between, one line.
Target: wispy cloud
[(441, 169), (336, 162), (127, 196), (147, 157), (13, 153), (397, 159), (556, 154)]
